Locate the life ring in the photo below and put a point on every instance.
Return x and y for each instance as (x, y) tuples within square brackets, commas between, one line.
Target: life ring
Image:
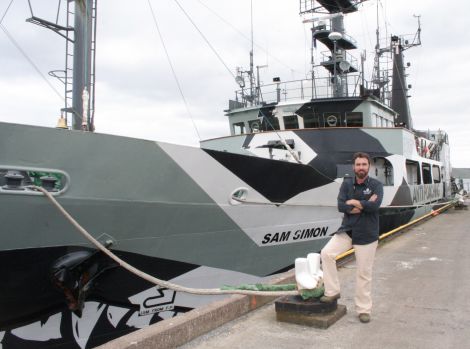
[(331, 120), (255, 127)]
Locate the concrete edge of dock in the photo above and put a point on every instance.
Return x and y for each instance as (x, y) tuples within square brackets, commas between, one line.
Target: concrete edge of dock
[(180, 330), (183, 328)]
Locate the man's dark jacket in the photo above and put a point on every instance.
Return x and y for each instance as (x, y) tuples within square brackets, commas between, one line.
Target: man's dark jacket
[(363, 228)]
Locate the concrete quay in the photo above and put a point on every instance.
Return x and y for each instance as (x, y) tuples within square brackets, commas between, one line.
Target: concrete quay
[(420, 292)]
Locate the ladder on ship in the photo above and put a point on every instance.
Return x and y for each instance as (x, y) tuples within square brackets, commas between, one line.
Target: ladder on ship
[(69, 61), (66, 76), (329, 30), (68, 81)]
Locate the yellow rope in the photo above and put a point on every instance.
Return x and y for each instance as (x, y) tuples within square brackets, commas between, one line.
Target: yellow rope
[(200, 291), (401, 227)]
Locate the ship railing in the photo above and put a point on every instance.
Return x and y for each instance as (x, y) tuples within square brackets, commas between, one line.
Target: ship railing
[(312, 6), (325, 26), (305, 89)]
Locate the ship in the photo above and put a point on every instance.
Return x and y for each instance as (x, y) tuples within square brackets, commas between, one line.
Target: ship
[(239, 208)]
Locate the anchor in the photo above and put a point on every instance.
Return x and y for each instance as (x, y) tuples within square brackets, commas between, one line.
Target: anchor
[(75, 274)]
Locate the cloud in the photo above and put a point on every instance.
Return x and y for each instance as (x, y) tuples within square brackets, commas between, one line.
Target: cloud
[(138, 96)]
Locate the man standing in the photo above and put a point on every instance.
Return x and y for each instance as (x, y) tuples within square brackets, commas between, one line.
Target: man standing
[(359, 199)]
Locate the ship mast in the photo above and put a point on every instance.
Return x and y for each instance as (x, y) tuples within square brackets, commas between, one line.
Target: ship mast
[(78, 76), (380, 77), (329, 30), (251, 72), (83, 64), (254, 95), (400, 88), (398, 100)]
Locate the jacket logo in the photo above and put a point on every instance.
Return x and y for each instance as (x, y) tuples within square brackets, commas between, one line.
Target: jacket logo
[(367, 191)]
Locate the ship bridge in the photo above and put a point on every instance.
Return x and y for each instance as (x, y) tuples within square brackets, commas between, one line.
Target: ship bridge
[(340, 97)]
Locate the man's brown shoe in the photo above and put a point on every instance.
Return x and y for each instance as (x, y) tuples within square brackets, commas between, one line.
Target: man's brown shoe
[(329, 299), (364, 318)]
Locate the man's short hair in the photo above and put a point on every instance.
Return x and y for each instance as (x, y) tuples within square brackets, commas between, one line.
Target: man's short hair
[(361, 155)]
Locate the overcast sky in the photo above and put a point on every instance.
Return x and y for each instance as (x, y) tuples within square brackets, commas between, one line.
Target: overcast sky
[(138, 97)]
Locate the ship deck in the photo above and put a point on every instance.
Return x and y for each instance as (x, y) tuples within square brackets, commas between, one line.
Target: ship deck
[(420, 288)]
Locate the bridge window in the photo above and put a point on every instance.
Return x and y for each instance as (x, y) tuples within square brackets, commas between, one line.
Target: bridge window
[(312, 120), (291, 122), (427, 179), (378, 121), (374, 118), (239, 128), (436, 174), (382, 169), (413, 173), (354, 120), (270, 123)]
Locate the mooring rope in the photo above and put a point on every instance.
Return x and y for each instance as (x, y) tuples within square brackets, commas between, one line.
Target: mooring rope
[(404, 226), (258, 202), (150, 278), (199, 291)]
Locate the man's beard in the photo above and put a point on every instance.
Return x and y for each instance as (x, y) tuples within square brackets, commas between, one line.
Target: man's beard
[(361, 175)]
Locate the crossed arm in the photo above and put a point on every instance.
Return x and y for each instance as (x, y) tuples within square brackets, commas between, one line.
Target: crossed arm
[(352, 206), (357, 206)]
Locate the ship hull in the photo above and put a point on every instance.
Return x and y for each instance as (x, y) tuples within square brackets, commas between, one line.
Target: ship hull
[(175, 212)]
